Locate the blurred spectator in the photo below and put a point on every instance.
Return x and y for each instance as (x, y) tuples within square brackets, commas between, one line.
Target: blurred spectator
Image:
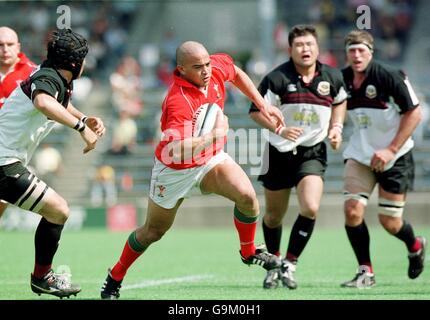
[(126, 83), (168, 47), (124, 135), (103, 189), (164, 73)]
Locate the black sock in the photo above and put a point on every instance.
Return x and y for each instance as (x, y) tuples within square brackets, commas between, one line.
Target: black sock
[(46, 241), (360, 241), (272, 238), (299, 237), (406, 234)]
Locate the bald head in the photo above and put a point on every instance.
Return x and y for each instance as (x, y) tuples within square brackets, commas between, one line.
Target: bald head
[(8, 33), (194, 63), (189, 50), (9, 49)]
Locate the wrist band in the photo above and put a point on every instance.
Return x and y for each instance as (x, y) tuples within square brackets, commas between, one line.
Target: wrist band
[(338, 126), (80, 126), (84, 119), (279, 130)]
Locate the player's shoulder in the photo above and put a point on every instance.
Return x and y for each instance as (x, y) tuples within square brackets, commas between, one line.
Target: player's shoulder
[(384, 72), (329, 71), (220, 59), (46, 72), (282, 72)]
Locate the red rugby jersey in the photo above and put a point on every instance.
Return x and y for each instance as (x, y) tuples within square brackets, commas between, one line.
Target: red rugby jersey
[(13, 78), (180, 110)]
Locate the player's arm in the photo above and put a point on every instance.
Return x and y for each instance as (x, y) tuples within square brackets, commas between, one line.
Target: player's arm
[(336, 125), (50, 107), (245, 84), (399, 87), (181, 150), (408, 122), (94, 123)]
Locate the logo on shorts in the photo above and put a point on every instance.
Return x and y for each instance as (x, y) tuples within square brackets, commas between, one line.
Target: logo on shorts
[(323, 88), (371, 91), (161, 190)]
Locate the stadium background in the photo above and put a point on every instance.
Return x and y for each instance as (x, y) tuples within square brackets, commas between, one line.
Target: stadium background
[(254, 32)]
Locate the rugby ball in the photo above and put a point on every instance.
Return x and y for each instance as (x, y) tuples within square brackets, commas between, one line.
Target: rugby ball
[(205, 118)]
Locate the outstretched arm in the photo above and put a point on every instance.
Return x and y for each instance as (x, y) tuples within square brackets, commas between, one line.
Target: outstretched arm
[(94, 123), (50, 107), (245, 84)]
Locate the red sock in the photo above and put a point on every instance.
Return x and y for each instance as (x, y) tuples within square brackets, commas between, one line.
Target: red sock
[(417, 246), (132, 250), (290, 257), (40, 270), (246, 227), (368, 264)]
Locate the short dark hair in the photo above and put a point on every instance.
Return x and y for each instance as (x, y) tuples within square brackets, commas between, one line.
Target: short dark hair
[(301, 30)]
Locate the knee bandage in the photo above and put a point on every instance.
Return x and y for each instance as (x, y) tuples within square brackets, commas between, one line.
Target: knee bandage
[(391, 208), (361, 197)]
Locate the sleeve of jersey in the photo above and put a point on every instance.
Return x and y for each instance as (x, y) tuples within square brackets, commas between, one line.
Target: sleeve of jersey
[(339, 86), (45, 84), (269, 92), (225, 64), (402, 92), (178, 126)]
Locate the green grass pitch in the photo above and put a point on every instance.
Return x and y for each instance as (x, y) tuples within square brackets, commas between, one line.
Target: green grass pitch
[(193, 264)]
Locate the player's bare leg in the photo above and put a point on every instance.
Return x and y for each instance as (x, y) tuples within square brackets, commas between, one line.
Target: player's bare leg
[(158, 222), (229, 180)]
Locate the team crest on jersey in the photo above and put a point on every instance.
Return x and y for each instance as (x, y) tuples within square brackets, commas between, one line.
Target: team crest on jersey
[(291, 87), (323, 88), (371, 91)]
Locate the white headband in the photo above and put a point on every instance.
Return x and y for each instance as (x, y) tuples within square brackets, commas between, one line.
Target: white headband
[(361, 45)]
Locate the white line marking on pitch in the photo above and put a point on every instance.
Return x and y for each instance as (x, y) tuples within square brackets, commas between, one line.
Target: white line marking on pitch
[(152, 283)]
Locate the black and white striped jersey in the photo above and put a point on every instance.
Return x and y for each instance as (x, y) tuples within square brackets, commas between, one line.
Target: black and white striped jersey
[(22, 126), (375, 109), (306, 105)]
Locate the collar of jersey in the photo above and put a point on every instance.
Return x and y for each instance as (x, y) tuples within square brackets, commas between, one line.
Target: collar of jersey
[(182, 82), (297, 75)]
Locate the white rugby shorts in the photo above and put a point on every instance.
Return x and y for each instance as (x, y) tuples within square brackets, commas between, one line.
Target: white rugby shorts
[(169, 185)]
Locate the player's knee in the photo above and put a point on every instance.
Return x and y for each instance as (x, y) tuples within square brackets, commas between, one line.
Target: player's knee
[(391, 224), (311, 211), (353, 210), (154, 234), (248, 201), (62, 210), (272, 220)]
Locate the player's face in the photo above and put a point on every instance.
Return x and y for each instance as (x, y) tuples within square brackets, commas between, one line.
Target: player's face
[(9, 49), (358, 58), (197, 69), (304, 51)]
